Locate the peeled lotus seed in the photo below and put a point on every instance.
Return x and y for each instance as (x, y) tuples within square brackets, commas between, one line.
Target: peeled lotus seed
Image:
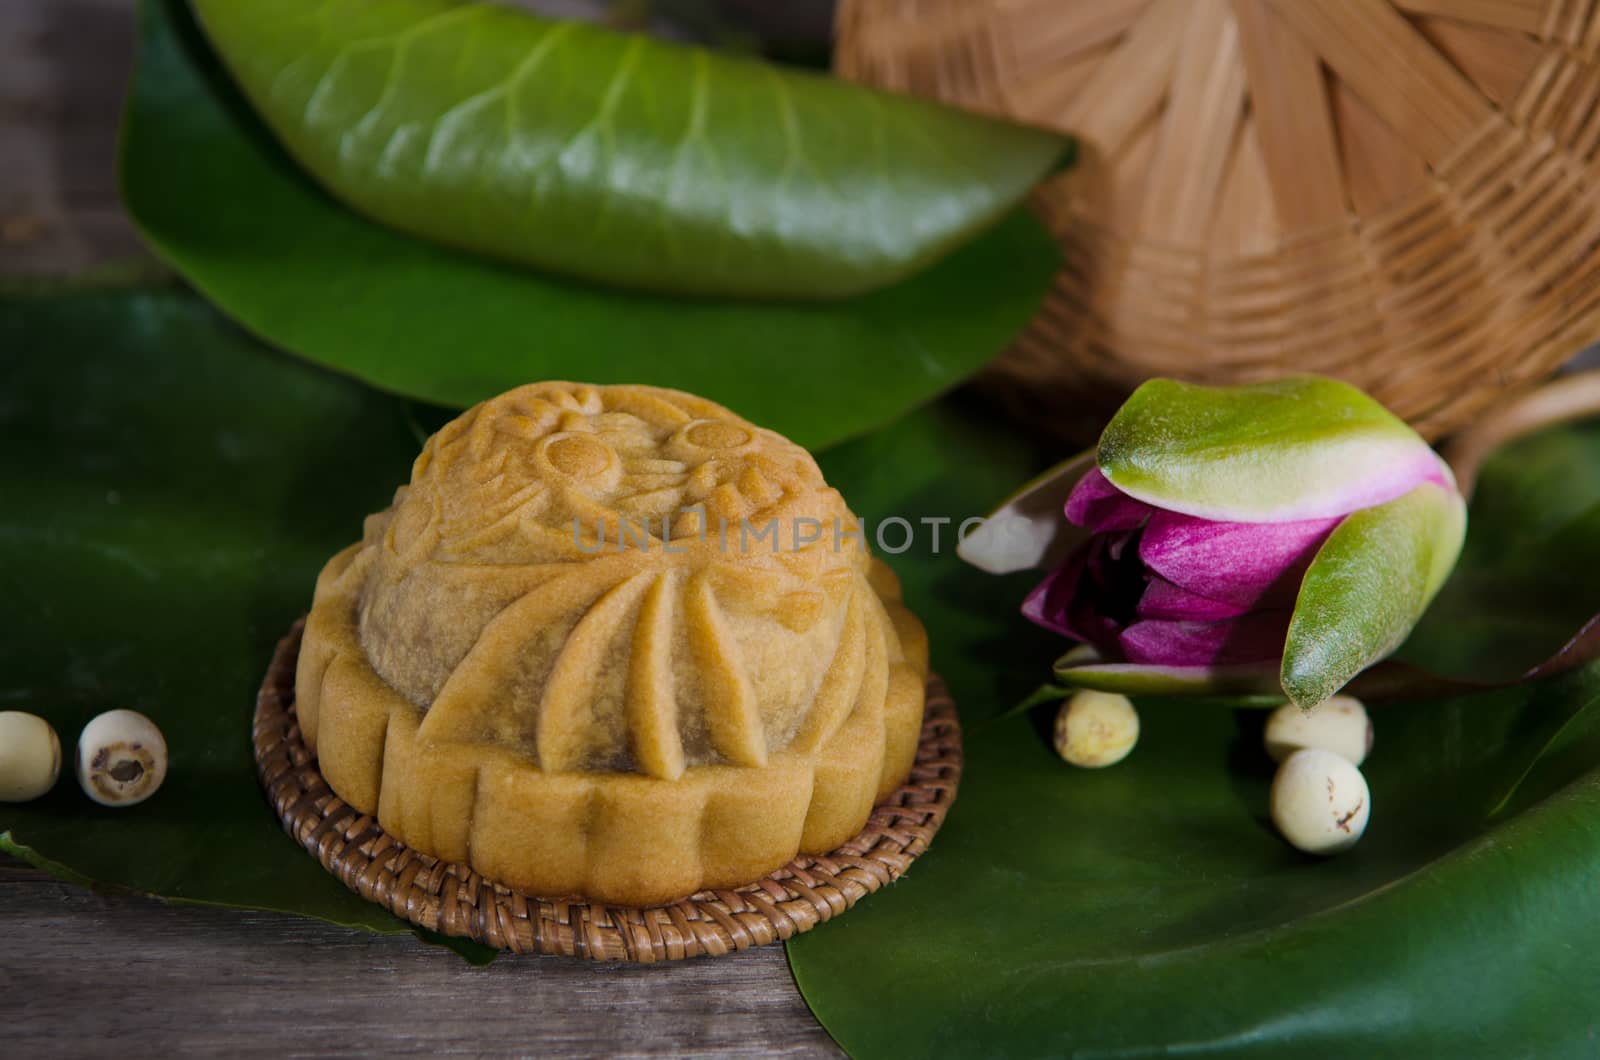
[(1339, 724), (30, 756), (1320, 802), (1096, 729), (122, 758)]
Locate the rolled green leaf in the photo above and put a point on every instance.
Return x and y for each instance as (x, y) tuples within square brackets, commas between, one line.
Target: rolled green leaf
[(1368, 585), (616, 158), (214, 195), (1301, 448)]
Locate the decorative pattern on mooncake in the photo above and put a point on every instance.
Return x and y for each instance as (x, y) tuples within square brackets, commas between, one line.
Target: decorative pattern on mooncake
[(616, 642)]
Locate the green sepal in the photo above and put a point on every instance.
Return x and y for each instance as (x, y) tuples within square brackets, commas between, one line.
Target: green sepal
[(1044, 694), (1029, 530), (1300, 448), (1367, 587), (1253, 685)]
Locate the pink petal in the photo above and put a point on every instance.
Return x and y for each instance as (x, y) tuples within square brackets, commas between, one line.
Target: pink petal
[(1048, 603), (1163, 599), (1254, 637), (1233, 563), (1097, 505), (1099, 582)]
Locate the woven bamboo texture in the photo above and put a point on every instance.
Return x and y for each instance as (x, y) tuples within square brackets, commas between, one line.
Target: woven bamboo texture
[(454, 900), (1402, 193)]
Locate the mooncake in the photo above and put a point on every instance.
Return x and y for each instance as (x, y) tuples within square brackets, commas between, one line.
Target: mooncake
[(614, 643)]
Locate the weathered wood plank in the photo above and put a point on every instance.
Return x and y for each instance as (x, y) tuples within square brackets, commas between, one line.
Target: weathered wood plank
[(83, 973), (63, 65)]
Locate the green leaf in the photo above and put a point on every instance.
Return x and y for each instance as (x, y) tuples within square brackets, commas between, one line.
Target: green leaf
[(171, 491), (474, 953), (1367, 587), (1149, 909), (1529, 573), (619, 158), (1300, 448), (220, 201)]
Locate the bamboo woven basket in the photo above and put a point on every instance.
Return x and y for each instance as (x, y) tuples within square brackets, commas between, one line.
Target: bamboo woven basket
[(1402, 193)]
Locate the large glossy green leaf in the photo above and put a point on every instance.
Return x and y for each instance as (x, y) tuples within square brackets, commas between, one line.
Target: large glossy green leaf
[(1528, 580), (171, 490), (619, 158), (220, 201), (1149, 909)]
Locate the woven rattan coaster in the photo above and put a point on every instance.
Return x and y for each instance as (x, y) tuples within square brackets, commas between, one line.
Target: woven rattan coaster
[(452, 899)]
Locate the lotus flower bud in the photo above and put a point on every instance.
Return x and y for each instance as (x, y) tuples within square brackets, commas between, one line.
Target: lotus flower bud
[(1274, 537)]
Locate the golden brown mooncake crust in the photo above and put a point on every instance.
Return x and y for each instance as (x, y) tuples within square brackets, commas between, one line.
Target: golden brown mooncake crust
[(507, 687)]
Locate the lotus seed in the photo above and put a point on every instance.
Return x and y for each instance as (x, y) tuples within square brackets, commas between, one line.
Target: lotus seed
[(1095, 729), (122, 758), (1320, 802), (1339, 724), (30, 756)]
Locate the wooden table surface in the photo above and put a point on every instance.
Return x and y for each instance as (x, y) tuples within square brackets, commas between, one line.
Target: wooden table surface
[(85, 974)]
